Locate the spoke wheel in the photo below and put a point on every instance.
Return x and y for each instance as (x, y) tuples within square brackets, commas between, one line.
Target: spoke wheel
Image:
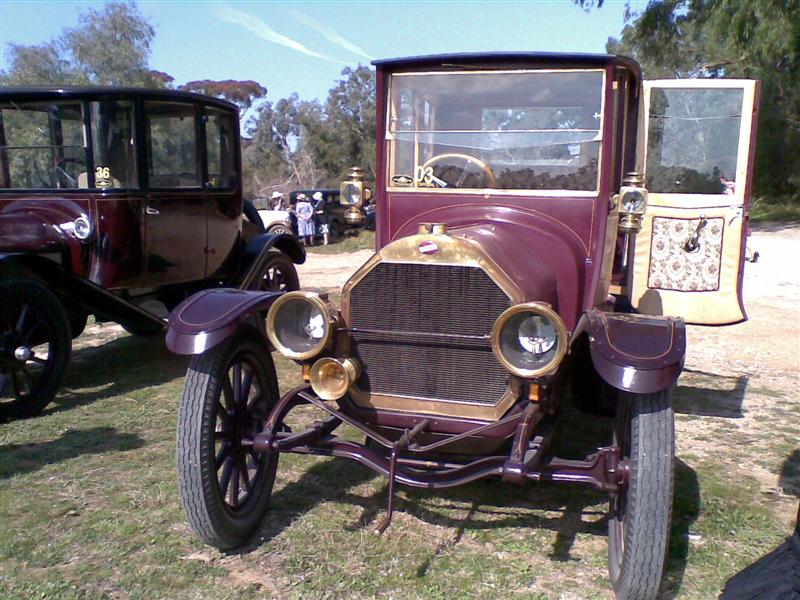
[(225, 485), (278, 274), (641, 511), (35, 347)]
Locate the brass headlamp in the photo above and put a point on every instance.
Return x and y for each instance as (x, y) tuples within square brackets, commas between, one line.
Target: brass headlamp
[(300, 325), (353, 194), (632, 203)]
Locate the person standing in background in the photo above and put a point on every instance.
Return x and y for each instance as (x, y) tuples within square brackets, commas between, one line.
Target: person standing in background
[(293, 215), (277, 201), (321, 213), (305, 220)]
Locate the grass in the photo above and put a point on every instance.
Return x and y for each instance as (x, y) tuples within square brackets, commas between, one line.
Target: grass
[(358, 240), (89, 508), (782, 209)]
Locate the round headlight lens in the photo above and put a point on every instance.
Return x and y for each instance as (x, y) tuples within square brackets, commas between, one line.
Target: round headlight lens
[(633, 201), (82, 228), (529, 339), (299, 325)]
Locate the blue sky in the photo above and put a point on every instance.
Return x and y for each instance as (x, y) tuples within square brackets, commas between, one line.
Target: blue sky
[(303, 46)]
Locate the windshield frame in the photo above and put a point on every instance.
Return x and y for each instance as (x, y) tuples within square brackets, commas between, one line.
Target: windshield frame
[(387, 134)]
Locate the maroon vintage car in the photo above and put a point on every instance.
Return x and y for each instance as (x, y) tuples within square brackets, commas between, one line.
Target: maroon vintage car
[(546, 224), (114, 201)]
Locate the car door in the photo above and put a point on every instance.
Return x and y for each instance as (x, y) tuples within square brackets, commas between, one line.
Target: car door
[(698, 161), (176, 213), (223, 187)]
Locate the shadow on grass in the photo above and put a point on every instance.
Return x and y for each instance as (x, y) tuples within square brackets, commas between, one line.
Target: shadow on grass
[(685, 510), (710, 395), (489, 504), (789, 479), (118, 366), (16, 459), (776, 575), (325, 481)]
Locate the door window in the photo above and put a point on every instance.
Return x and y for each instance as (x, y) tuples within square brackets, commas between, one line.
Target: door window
[(220, 148), (171, 134), (113, 144), (693, 140)]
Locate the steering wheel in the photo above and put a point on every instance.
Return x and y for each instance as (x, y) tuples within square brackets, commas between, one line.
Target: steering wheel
[(61, 172), (487, 170)]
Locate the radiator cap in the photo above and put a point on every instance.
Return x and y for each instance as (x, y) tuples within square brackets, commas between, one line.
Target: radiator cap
[(439, 229)]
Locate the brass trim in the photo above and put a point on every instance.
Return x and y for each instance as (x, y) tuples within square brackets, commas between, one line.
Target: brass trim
[(430, 406), (561, 343), (314, 299), (452, 250)]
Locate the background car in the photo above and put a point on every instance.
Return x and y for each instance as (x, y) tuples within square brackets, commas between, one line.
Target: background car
[(274, 220), (112, 201)]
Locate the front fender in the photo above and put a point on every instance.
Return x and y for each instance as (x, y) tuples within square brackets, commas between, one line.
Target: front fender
[(209, 317), (634, 353), (255, 254), (24, 232), (28, 226)]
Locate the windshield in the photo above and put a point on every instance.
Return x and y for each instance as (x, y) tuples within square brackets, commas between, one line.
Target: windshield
[(43, 145), (512, 130)]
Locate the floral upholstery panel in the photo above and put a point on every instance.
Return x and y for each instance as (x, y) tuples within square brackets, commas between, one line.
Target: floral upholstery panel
[(673, 268)]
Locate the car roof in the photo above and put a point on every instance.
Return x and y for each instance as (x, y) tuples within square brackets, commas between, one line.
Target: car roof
[(83, 91), (505, 58)]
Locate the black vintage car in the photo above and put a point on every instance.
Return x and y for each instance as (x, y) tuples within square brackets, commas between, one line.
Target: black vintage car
[(110, 199)]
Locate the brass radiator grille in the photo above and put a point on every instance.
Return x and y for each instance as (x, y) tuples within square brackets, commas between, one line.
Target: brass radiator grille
[(422, 331)]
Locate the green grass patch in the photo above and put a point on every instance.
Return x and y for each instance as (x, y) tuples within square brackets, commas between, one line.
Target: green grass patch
[(358, 240), (782, 209), (89, 508)]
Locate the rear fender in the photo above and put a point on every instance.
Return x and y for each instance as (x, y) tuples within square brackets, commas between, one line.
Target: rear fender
[(634, 353), (209, 317), (255, 253)]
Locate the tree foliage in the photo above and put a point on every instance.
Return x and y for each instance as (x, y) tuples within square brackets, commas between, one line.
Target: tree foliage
[(757, 39), (241, 93), (296, 143), (110, 46)]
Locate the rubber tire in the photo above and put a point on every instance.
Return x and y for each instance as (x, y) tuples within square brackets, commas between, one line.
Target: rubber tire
[(77, 321), (276, 258), (197, 479), (251, 214), (49, 305), (636, 575)]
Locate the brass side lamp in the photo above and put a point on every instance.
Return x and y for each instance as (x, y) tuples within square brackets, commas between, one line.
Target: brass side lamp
[(353, 194), (632, 206)]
